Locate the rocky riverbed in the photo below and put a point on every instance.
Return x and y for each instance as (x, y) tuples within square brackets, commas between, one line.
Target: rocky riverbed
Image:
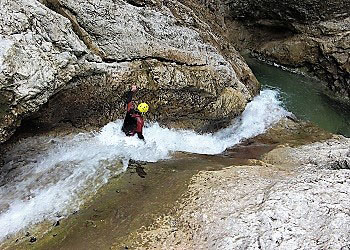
[(273, 191), (65, 66), (293, 198)]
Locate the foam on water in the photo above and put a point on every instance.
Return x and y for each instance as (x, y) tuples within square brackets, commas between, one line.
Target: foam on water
[(46, 178)]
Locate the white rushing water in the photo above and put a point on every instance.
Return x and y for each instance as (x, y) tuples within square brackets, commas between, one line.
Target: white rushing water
[(44, 178)]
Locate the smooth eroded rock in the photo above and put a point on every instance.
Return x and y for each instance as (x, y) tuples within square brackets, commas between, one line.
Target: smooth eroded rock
[(290, 200)]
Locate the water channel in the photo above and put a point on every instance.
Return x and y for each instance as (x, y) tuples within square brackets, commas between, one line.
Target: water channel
[(305, 97), (46, 178)]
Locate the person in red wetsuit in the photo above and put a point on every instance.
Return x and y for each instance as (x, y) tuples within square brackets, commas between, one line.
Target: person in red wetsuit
[(133, 122)]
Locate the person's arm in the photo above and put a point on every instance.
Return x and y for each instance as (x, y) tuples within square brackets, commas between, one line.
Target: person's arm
[(129, 103)]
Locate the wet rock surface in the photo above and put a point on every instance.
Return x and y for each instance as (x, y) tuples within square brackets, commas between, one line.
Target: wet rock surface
[(292, 199), (270, 192), (332, 155), (74, 60)]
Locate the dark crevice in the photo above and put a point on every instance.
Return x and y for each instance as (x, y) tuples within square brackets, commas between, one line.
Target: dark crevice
[(280, 30), (136, 3), (72, 11), (340, 164), (160, 59)]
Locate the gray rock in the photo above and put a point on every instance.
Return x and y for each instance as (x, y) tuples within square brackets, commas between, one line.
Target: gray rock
[(293, 203), (39, 54), (71, 61), (332, 154)]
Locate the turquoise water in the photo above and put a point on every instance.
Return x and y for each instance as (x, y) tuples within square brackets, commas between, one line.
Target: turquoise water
[(304, 97)]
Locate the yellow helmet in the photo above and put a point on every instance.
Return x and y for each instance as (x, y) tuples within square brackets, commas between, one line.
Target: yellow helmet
[(143, 107)]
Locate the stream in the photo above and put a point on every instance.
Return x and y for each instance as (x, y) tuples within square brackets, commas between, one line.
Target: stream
[(304, 97), (47, 178)]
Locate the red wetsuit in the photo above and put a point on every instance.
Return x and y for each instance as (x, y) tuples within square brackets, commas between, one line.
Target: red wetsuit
[(133, 122)]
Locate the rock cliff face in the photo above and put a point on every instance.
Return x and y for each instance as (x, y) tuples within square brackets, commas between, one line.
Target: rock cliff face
[(71, 61), (288, 11), (311, 35)]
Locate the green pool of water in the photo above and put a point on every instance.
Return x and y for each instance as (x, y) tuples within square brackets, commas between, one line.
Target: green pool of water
[(305, 97)]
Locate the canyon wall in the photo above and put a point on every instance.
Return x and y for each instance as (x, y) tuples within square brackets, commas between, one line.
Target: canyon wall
[(72, 62), (312, 36)]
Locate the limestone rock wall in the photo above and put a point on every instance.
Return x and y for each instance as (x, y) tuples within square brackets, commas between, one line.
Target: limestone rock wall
[(72, 61), (39, 54)]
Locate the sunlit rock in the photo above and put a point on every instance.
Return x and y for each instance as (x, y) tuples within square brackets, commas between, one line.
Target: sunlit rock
[(293, 199)]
